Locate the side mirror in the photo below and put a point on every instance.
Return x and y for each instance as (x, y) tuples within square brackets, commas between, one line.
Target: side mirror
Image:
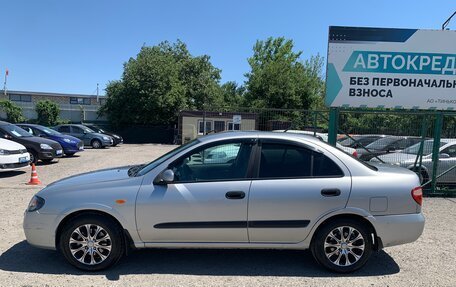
[(444, 155), (165, 177)]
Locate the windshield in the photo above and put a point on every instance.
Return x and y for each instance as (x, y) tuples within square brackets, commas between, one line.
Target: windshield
[(16, 131), (427, 147), (382, 143), (148, 167), (50, 132)]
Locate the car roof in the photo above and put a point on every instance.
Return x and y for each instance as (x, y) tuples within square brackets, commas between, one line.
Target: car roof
[(256, 134)]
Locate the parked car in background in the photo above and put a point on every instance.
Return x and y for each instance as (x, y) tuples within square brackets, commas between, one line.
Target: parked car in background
[(13, 155), (388, 144), (70, 144), (116, 138), (38, 148), (407, 157), (322, 137), (359, 141), (87, 135), (281, 190)]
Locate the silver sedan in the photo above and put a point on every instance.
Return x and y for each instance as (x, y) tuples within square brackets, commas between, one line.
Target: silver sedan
[(274, 190)]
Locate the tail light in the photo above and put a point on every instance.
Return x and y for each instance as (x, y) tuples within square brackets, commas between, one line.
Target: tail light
[(355, 153), (417, 194)]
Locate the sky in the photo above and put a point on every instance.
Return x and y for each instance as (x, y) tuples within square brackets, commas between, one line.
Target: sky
[(70, 46)]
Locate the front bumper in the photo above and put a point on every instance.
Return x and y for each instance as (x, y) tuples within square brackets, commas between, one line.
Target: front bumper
[(14, 161), (39, 229), (398, 229), (50, 154), (107, 142)]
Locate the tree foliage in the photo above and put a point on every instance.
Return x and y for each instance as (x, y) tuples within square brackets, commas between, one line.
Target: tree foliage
[(47, 112), (280, 79), (158, 83), (13, 111)]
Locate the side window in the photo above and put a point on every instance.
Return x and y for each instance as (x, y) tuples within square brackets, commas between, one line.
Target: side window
[(77, 130), (285, 161), (27, 129), (451, 151), (221, 162), (64, 129)]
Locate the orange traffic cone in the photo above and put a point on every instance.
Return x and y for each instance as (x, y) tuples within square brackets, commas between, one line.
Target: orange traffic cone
[(34, 178)]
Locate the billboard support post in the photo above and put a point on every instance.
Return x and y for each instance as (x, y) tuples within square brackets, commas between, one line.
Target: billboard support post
[(435, 148), (333, 126)]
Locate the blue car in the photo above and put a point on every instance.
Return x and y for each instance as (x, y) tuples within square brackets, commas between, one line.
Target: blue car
[(70, 144)]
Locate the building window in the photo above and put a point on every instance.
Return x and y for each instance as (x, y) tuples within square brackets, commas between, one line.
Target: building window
[(237, 127), (20, 98), (209, 127), (80, 101)]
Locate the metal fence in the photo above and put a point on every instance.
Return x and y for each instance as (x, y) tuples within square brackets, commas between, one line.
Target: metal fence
[(419, 141)]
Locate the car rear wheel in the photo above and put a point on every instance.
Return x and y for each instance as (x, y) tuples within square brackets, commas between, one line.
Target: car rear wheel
[(96, 144), (343, 245), (92, 242)]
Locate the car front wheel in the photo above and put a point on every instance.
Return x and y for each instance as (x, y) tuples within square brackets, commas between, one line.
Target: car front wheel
[(96, 144), (343, 245), (92, 242)]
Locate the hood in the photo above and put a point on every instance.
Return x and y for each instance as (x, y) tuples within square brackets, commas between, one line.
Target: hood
[(63, 136), (396, 157), (10, 145), (40, 140), (89, 178), (99, 135)]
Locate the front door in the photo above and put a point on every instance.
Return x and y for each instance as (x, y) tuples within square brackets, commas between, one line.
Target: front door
[(207, 202), (294, 186)]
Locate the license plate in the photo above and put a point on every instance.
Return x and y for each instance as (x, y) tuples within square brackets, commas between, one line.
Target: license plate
[(22, 159), (58, 152)]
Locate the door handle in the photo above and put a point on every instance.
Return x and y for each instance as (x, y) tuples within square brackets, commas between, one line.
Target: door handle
[(235, 195), (330, 192)]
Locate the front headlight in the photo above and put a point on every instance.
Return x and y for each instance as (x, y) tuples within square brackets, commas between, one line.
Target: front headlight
[(4, 152), (106, 138), (35, 204), (45, 146), (67, 140)]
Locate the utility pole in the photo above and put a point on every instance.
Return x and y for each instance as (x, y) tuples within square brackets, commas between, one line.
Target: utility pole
[(97, 94), (4, 83)]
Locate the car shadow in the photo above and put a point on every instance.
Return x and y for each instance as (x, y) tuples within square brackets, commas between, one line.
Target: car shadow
[(12, 173), (22, 257)]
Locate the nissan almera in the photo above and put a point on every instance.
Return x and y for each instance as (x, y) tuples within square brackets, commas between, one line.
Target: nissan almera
[(232, 190)]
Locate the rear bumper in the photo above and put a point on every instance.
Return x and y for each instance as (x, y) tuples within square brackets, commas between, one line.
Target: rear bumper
[(398, 229)]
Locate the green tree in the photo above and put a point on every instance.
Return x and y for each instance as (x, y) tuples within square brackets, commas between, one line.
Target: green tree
[(47, 112), (158, 83), (233, 95), (13, 111), (280, 79)]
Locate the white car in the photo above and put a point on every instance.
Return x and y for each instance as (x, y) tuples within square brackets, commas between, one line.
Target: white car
[(13, 155), (323, 137)]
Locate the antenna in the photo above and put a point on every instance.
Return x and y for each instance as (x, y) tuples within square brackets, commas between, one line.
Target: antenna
[(445, 24)]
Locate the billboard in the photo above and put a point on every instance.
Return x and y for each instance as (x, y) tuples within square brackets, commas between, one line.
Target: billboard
[(391, 68)]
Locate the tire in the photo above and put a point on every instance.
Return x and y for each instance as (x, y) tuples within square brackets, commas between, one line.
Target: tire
[(337, 256), (93, 255), (96, 143), (33, 157), (47, 160)]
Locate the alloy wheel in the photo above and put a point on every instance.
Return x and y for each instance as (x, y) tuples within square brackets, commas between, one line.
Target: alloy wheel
[(344, 246), (90, 244)]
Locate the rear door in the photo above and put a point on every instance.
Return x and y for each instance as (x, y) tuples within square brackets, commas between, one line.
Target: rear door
[(294, 186)]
